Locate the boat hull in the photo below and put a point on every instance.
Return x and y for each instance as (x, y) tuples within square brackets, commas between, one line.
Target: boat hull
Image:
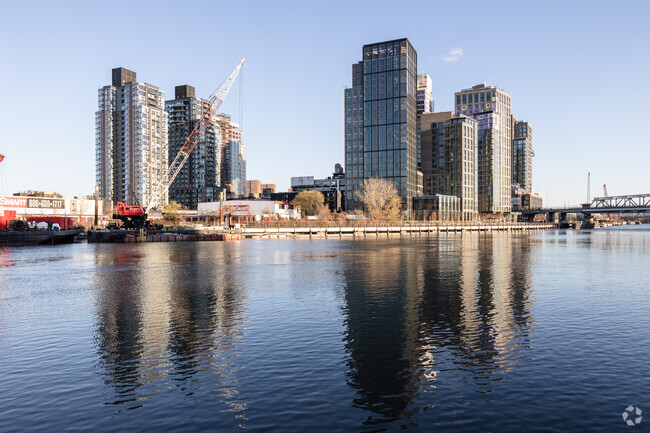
[(37, 237)]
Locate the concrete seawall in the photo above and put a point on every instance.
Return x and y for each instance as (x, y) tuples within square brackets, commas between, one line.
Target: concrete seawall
[(272, 230)]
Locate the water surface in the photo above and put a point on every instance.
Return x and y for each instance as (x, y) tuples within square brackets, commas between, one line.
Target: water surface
[(453, 332)]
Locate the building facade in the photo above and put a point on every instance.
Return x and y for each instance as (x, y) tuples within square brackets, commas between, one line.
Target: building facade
[(437, 207), (381, 121), (79, 209), (526, 200), (522, 155), (233, 172), (490, 107), (424, 104), (233, 157), (253, 188), (247, 211), (131, 147), (199, 179), (268, 188), (449, 159)]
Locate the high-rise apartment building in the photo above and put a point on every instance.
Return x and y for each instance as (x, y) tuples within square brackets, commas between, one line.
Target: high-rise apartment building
[(490, 107), (424, 94), (380, 121), (199, 179), (131, 152), (268, 188), (233, 157), (449, 159), (254, 188), (424, 104), (233, 172), (522, 156)]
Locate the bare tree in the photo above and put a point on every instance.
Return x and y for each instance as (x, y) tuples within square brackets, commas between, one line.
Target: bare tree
[(380, 198), (323, 213), (82, 207)]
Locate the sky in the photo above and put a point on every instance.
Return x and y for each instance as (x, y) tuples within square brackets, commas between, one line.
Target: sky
[(576, 70)]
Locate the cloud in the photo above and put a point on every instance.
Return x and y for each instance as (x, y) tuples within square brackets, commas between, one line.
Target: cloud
[(453, 55)]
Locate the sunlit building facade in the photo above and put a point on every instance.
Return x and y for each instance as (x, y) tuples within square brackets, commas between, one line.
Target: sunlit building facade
[(199, 179), (522, 155), (381, 119), (424, 104), (449, 159), (490, 107), (131, 148), (233, 157)]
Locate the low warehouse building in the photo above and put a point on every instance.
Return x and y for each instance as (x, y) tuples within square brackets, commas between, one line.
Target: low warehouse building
[(242, 211)]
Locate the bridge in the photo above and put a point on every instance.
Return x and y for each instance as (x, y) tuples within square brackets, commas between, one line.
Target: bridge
[(639, 203)]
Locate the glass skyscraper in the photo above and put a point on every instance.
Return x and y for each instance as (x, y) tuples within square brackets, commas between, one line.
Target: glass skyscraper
[(522, 155), (380, 121)]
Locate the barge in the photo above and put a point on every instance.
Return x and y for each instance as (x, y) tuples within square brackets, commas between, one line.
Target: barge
[(37, 237)]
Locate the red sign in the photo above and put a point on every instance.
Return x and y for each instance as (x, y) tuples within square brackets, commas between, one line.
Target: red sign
[(9, 201), (237, 209)]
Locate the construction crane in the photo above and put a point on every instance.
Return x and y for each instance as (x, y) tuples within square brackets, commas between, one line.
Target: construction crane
[(216, 99), (609, 215)]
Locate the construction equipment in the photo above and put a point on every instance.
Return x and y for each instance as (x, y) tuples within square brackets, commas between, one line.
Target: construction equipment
[(609, 215), (216, 99), (132, 217)]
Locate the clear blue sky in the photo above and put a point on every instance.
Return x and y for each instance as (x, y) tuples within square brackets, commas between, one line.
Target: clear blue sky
[(577, 70)]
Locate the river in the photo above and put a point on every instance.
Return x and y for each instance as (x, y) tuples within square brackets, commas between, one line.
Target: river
[(471, 332)]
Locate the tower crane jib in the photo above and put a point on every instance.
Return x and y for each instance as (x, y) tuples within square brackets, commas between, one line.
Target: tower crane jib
[(216, 99)]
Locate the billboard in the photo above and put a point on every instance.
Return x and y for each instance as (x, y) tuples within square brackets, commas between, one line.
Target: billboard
[(237, 209), (31, 202), (13, 202), (45, 203)]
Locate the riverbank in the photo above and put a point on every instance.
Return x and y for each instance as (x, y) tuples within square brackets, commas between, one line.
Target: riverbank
[(301, 229)]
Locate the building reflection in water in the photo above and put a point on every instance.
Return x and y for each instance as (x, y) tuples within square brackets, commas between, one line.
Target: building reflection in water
[(419, 312), (169, 319)]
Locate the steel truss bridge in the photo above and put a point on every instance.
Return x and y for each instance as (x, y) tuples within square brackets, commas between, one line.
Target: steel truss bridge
[(638, 203)]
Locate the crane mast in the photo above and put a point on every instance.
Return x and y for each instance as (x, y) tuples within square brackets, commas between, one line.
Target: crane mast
[(190, 142)]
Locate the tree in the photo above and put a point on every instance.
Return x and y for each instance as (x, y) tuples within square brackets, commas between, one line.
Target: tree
[(323, 213), (82, 207), (310, 201), (170, 211), (380, 198)]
